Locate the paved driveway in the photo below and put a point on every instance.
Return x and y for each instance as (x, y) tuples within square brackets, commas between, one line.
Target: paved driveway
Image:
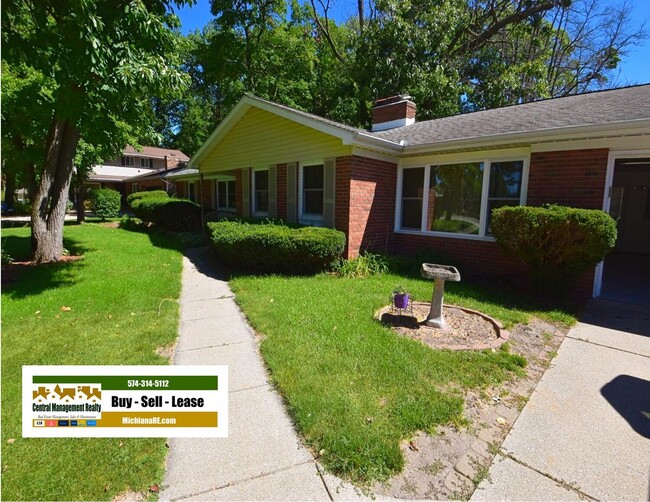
[(585, 432)]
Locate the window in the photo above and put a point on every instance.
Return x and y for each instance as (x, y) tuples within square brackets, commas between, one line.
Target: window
[(412, 189), (134, 187), (312, 190), (128, 161), (191, 191), (505, 186), (460, 197), (145, 163), (226, 194), (455, 198), (261, 191)]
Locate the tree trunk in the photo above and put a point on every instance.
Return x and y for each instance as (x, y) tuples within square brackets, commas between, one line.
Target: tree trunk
[(10, 188), (81, 195), (50, 200)]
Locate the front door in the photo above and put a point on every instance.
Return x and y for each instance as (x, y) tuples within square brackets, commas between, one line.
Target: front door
[(626, 270), (630, 205)]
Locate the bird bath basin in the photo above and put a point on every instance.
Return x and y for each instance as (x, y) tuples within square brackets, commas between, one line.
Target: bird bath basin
[(439, 274)]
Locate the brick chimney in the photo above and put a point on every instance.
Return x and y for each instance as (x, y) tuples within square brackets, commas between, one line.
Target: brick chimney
[(396, 111)]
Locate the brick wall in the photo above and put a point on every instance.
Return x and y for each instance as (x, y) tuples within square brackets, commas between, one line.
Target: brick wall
[(365, 203), (473, 258), (281, 185), (572, 178), (205, 194), (181, 189)]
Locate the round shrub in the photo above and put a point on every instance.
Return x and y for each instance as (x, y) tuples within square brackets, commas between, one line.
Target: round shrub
[(105, 202), (177, 215), (155, 194), (558, 243), (272, 248)]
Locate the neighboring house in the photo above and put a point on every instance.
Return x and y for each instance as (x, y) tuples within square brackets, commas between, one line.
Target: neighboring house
[(136, 171), (407, 186)]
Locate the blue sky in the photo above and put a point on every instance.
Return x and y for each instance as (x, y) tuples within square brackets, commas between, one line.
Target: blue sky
[(634, 69)]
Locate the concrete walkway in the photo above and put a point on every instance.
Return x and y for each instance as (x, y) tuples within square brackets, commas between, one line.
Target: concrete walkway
[(585, 432), (262, 459)]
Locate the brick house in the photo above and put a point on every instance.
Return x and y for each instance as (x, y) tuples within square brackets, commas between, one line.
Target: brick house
[(408, 185), (138, 170)]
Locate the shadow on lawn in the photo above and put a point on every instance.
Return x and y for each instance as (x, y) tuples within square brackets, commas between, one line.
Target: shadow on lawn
[(22, 280)]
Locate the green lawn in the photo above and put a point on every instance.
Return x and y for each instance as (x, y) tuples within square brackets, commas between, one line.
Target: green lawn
[(123, 300), (354, 388)]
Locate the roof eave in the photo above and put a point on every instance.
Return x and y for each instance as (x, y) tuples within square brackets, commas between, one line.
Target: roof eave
[(612, 129)]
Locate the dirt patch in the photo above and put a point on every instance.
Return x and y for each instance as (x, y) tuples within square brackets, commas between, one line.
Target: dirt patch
[(465, 329), (449, 464), (110, 224), (129, 496), (166, 351)]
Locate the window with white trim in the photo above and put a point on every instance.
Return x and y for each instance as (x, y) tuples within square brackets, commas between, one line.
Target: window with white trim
[(505, 186), (128, 161), (261, 192), (145, 162), (460, 196), (226, 194), (312, 197)]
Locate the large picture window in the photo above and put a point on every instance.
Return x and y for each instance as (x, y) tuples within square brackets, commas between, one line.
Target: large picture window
[(455, 198), (460, 197), (261, 191), (312, 190)]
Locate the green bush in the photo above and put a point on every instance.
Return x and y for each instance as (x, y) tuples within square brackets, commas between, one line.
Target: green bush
[(273, 248), (156, 194), (558, 243), (105, 202), (177, 215)]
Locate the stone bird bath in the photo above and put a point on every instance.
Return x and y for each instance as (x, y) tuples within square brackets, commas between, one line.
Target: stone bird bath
[(439, 274)]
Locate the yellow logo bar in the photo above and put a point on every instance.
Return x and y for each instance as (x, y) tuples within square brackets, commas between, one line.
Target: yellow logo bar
[(159, 419)]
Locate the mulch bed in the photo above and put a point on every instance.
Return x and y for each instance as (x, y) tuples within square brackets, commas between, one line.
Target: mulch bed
[(465, 329)]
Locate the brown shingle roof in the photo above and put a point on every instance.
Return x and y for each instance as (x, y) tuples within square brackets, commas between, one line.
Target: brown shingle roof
[(595, 108), (153, 151)]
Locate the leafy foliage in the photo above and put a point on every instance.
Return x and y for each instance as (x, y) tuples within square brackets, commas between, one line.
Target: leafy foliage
[(270, 248), (558, 243), (176, 215), (364, 265), (156, 194), (105, 202)]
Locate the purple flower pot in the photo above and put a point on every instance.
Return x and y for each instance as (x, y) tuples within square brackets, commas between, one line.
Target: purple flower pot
[(401, 301)]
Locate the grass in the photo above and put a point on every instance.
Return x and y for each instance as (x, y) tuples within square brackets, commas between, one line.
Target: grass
[(356, 389), (123, 300)]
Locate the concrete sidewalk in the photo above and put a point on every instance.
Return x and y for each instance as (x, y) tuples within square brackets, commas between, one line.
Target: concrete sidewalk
[(585, 432), (263, 458)]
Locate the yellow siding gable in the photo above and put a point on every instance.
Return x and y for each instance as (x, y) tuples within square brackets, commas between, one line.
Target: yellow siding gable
[(261, 139)]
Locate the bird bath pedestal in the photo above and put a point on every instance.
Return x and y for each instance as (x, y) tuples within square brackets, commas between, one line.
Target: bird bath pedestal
[(439, 274)]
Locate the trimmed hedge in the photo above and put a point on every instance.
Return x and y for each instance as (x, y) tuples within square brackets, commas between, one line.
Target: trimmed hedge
[(176, 215), (272, 248), (558, 243), (105, 202), (155, 194)]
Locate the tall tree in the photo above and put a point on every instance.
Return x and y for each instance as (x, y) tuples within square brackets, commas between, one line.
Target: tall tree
[(106, 59)]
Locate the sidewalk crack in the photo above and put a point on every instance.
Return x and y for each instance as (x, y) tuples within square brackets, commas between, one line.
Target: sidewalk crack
[(560, 482), (605, 346)]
